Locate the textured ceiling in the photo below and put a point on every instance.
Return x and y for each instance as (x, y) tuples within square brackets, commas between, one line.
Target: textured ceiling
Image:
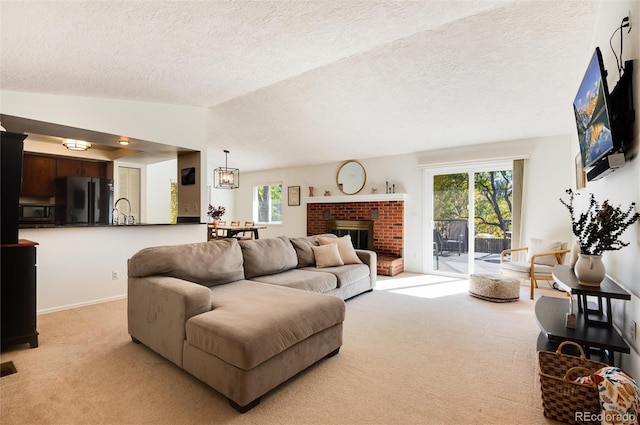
[(304, 82)]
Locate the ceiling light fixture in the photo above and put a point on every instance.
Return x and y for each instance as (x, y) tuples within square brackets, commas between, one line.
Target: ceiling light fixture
[(225, 177), (123, 141), (76, 145)]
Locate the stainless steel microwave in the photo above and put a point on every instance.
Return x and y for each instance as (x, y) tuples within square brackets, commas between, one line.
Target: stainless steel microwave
[(37, 213)]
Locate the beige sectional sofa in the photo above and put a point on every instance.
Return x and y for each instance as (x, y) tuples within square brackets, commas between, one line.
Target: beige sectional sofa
[(243, 316)]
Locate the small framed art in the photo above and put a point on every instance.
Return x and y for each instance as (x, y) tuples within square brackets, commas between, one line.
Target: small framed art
[(188, 176), (293, 196)]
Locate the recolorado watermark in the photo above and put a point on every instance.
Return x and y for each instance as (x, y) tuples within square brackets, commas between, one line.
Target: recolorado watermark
[(605, 417)]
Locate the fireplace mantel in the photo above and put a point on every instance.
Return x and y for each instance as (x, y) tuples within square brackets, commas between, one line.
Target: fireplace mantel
[(355, 198)]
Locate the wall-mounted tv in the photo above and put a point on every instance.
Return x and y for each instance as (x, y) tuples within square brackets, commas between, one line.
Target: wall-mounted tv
[(592, 112)]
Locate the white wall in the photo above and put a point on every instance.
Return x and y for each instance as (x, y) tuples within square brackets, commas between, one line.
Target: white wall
[(549, 170), (158, 193), (173, 125), (75, 264), (623, 186)]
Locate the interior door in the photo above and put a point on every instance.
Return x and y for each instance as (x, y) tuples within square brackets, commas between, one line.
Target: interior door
[(129, 188)]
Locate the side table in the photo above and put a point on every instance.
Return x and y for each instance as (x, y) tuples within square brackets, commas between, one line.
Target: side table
[(594, 329), (566, 278)]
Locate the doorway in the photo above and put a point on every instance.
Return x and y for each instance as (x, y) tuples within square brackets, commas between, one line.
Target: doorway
[(469, 218)]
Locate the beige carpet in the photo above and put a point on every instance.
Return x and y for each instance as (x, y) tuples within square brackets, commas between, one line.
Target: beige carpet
[(415, 352)]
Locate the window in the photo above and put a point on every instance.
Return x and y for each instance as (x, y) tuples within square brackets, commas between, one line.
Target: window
[(267, 203)]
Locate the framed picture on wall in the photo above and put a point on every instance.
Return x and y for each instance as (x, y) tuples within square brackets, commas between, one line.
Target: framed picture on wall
[(188, 176), (293, 196), (581, 180)]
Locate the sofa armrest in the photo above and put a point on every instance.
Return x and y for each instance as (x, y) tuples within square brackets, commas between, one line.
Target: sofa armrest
[(158, 308), (369, 258)]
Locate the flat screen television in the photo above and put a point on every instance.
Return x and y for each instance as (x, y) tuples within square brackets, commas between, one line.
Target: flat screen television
[(592, 112)]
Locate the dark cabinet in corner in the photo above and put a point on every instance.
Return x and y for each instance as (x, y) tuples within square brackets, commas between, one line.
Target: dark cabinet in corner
[(18, 291)]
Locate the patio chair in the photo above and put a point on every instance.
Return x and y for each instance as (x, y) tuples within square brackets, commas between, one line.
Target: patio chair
[(542, 255), (437, 247), (457, 237)]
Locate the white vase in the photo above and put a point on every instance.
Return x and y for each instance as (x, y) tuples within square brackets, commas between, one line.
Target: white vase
[(589, 269)]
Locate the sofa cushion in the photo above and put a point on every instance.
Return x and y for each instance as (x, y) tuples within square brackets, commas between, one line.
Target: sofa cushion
[(347, 274), (524, 268), (327, 255), (303, 245), (252, 322), (207, 263), (345, 247), (302, 279), (267, 256)]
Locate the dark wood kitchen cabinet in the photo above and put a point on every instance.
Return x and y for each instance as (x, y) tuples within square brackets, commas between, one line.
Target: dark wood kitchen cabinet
[(68, 167), (94, 169), (18, 290), (39, 172), (78, 168), (38, 175)]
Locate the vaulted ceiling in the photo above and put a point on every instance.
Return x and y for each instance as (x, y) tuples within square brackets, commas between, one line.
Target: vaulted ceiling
[(307, 82)]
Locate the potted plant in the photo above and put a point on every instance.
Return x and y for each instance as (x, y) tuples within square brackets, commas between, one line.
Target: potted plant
[(598, 229), (215, 213)]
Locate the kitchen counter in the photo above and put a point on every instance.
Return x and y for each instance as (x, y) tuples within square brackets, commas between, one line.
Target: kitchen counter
[(75, 226)]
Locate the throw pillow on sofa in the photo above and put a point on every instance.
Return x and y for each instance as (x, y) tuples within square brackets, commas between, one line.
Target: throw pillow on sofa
[(345, 248), (327, 255)]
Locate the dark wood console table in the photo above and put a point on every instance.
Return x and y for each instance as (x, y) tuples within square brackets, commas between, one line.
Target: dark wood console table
[(607, 290), (594, 330)]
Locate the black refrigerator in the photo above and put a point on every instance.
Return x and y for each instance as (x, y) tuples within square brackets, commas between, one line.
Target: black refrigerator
[(83, 200)]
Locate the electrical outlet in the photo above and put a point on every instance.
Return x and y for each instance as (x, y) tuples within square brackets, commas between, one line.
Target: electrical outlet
[(634, 328), (114, 274), (186, 207)]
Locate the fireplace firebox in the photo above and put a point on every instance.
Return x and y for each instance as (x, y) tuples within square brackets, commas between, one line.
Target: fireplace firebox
[(361, 231)]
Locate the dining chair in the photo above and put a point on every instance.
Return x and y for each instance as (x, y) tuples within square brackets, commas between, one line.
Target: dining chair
[(213, 232), (244, 235)]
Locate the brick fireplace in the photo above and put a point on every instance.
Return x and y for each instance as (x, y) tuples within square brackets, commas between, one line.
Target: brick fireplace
[(387, 217)]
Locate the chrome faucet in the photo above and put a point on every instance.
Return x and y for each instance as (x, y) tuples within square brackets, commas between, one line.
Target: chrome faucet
[(128, 218), (115, 218)]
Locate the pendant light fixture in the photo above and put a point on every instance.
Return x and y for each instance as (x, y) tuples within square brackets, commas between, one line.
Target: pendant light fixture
[(225, 177), (76, 145)]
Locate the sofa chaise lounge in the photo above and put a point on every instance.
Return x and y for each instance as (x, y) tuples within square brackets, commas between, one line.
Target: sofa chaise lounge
[(244, 316)]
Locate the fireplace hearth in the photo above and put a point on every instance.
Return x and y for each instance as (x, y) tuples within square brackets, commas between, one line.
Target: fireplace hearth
[(374, 225)]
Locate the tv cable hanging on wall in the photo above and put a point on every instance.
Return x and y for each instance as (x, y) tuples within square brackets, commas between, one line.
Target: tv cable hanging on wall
[(625, 23)]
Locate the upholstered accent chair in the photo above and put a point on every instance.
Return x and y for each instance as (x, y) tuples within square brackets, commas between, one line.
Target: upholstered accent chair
[(542, 255)]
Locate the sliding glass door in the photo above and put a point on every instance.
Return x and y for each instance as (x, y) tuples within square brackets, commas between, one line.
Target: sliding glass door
[(470, 218), (450, 223)]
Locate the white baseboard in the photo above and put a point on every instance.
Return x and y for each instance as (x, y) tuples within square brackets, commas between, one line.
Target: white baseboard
[(83, 304)]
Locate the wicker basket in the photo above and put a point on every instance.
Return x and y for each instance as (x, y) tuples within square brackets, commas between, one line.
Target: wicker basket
[(562, 398)]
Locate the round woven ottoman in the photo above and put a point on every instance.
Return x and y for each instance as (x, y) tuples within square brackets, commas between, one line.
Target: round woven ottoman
[(494, 287)]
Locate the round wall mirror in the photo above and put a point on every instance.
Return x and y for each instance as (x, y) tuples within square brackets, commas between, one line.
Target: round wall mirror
[(351, 177)]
